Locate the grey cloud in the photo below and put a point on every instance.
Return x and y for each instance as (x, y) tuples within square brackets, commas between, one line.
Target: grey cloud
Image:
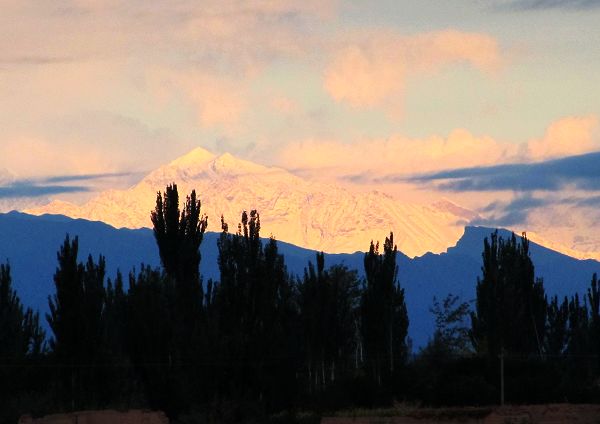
[(57, 184), (517, 210), (504, 219), (29, 189), (84, 177), (593, 201), (35, 60), (513, 212), (357, 178), (583, 172), (550, 4)]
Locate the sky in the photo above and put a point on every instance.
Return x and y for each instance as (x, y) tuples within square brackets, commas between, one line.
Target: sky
[(494, 103)]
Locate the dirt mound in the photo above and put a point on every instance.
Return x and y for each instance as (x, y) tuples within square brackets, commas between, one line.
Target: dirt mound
[(545, 414), (99, 417), (527, 414)]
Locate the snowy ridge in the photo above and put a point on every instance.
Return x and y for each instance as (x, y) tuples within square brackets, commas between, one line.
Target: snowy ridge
[(313, 215)]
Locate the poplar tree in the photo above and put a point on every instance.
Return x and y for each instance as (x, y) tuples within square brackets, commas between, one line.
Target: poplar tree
[(383, 312), (76, 320), (255, 316), (328, 302), (178, 234), (21, 345), (511, 305)]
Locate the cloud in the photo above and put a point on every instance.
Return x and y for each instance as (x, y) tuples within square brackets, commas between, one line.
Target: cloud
[(362, 79), (11, 187), (84, 177), (219, 101), (580, 172), (457, 157), (402, 155), (568, 136), (514, 212), (37, 156), (372, 70), (86, 143), (284, 105), (100, 52), (549, 4), (238, 31), (34, 60), (589, 201), (23, 189)]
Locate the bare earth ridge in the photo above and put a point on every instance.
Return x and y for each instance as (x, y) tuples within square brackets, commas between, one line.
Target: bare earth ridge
[(525, 414), (100, 417)]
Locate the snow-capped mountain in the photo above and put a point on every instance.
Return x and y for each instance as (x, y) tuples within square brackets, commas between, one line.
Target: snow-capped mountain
[(313, 215)]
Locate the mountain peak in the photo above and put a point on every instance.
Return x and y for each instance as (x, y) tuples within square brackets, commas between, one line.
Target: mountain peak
[(227, 160), (195, 157), (229, 164)]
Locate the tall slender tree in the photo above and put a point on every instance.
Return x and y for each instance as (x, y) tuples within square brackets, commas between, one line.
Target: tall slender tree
[(383, 311), (557, 331), (76, 320), (179, 234), (511, 303), (593, 298), (20, 332), (255, 316), (328, 302), (21, 346)]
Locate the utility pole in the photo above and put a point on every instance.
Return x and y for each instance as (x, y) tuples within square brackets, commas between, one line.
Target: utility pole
[(502, 377)]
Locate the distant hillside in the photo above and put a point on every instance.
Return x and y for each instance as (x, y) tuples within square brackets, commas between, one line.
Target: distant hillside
[(30, 244)]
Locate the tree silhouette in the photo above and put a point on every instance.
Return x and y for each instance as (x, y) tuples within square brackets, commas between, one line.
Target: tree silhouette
[(451, 334), (255, 316), (21, 346), (76, 320), (383, 311), (328, 301), (557, 331), (179, 234), (20, 332), (511, 304)]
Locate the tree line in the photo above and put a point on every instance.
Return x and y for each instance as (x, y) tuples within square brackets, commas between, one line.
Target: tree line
[(259, 340)]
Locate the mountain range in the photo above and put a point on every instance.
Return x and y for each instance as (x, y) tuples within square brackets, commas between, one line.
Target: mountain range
[(314, 215), (29, 243)]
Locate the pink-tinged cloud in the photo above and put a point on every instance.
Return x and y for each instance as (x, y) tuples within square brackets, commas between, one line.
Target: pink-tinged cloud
[(371, 70), (361, 78), (218, 101), (568, 136), (396, 154), (460, 149), (432, 50), (39, 157), (284, 105)]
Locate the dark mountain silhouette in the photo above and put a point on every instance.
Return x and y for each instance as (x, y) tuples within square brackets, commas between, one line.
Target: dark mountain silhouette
[(30, 244)]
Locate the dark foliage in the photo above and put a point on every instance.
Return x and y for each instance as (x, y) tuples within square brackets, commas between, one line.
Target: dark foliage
[(510, 313), (256, 318), (384, 319), (21, 346), (77, 321), (328, 305), (259, 345)]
